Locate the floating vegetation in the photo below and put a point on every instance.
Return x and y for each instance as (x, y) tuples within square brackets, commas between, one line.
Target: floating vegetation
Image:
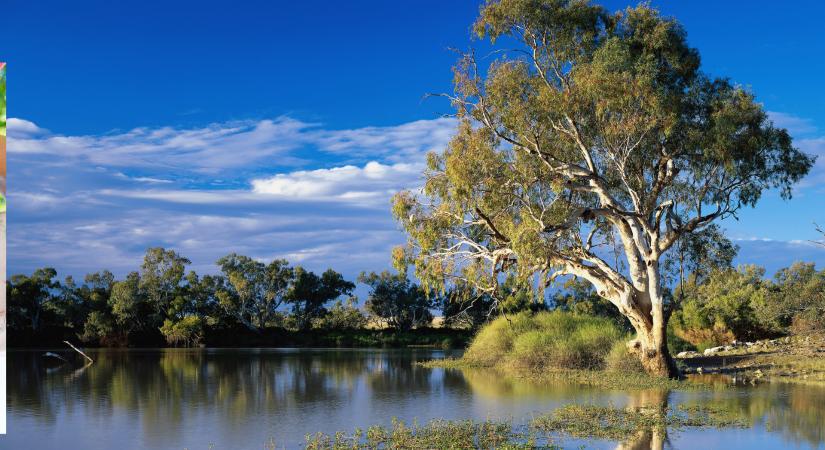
[(437, 434), (607, 422)]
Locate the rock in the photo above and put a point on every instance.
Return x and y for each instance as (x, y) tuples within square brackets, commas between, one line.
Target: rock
[(698, 370), (712, 350), (687, 354)]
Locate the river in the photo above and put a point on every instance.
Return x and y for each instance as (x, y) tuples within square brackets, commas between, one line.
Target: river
[(272, 398)]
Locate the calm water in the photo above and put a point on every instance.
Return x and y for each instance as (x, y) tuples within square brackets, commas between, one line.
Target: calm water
[(239, 399)]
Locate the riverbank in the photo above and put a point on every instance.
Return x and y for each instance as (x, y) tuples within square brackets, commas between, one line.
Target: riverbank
[(793, 358), (442, 338)]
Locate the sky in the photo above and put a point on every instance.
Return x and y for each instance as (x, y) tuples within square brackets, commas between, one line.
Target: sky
[(281, 129)]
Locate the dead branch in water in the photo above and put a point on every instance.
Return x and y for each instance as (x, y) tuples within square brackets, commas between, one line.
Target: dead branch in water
[(78, 350)]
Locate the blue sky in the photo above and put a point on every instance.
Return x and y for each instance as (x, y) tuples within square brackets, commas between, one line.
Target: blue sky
[(280, 129)]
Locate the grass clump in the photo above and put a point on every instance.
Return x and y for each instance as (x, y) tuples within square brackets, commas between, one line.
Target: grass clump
[(621, 361), (545, 340), (441, 434)]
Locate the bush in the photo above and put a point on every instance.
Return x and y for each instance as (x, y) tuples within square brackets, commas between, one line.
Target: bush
[(554, 339), (724, 308)]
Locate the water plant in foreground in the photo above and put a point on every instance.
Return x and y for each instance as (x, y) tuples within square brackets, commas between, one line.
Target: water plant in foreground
[(577, 421), (441, 434)]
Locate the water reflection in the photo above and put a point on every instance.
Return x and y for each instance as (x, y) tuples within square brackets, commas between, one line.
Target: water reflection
[(242, 398)]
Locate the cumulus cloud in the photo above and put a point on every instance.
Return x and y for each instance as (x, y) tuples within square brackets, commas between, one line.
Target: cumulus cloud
[(373, 181)]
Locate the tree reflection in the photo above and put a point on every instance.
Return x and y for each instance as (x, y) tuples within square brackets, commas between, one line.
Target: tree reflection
[(651, 401), (167, 392)]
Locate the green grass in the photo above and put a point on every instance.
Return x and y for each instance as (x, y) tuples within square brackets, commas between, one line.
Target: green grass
[(546, 340), (556, 347)]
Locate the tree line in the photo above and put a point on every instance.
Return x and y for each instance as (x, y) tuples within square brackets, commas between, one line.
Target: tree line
[(710, 301), (163, 302)]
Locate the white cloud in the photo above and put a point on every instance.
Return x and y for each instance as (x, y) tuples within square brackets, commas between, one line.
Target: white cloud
[(348, 183), (398, 143), (794, 124), (83, 203), (228, 146)]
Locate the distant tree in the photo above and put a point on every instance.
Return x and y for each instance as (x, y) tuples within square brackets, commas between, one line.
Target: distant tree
[(29, 298), (591, 132), (130, 306), (703, 251), (160, 280), (343, 315), (310, 293), (725, 307), (394, 299), (463, 306), (253, 291), (202, 297), (99, 323), (68, 304), (796, 302)]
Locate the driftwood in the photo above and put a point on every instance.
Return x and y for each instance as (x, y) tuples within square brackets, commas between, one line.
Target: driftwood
[(55, 355), (78, 350)]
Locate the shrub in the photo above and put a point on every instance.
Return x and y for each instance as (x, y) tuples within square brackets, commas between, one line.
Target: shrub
[(544, 340), (723, 309)]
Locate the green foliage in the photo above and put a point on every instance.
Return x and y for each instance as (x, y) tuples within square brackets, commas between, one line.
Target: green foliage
[(130, 306), (553, 339), (394, 299), (342, 316), (99, 327), (796, 301), (252, 291), (29, 298), (309, 294), (186, 332), (723, 308), (160, 277)]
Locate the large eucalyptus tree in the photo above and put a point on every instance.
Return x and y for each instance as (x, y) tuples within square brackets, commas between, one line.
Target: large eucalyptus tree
[(587, 148)]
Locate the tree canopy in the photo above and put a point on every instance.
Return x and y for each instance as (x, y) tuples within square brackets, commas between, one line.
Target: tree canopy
[(588, 148)]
